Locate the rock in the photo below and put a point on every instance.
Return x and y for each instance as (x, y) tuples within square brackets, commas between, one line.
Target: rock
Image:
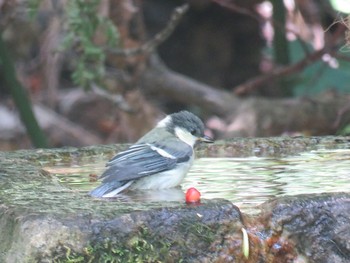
[(318, 225), (44, 221)]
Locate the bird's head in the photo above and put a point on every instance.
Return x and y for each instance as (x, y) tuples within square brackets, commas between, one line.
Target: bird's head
[(186, 126)]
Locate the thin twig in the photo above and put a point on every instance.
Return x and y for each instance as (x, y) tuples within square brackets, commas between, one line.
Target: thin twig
[(241, 10), (149, 46), (329, 48), (254, 83), (245, 11)]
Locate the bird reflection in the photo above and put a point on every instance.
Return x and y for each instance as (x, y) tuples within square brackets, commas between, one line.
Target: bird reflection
[(149, 196)]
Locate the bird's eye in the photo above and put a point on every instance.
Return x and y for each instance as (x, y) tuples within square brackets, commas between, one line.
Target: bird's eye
[(193, 132)]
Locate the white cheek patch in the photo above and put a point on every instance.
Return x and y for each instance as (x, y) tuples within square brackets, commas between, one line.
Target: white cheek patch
[(185, 136), (162, 152), (163, 123)]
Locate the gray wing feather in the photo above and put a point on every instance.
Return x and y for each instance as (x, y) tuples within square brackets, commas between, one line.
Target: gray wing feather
[(145, 159)]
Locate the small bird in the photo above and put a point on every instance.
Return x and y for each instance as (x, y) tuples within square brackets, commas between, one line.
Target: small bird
[(159, 160)]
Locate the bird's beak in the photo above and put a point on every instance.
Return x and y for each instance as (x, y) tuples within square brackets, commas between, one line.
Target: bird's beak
[(206, 139)]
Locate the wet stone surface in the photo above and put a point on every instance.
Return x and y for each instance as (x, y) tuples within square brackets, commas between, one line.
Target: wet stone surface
[(41, 220), (318, 225)]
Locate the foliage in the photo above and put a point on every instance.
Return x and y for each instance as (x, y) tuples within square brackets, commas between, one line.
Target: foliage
[(344, 131), (32, 7), (83, 22), (320, 76)]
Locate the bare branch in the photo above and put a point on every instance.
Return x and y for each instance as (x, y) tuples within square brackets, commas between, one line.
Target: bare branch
[(238, 9), (329, 48), (255, 83), (63, 130), (149, 46), (158, 80)]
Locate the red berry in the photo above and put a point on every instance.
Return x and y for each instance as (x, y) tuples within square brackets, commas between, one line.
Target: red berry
[(193, 195)]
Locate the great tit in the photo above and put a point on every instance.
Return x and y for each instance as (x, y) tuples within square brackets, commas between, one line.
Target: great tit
[(159, 160)]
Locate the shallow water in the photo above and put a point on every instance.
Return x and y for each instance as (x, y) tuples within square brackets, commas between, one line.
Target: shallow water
[(246, 182)]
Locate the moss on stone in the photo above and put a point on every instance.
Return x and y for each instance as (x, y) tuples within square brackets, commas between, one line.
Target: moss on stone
[(142, 246)]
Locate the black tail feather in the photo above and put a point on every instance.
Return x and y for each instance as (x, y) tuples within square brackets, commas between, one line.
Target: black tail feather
[(105, 188)]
